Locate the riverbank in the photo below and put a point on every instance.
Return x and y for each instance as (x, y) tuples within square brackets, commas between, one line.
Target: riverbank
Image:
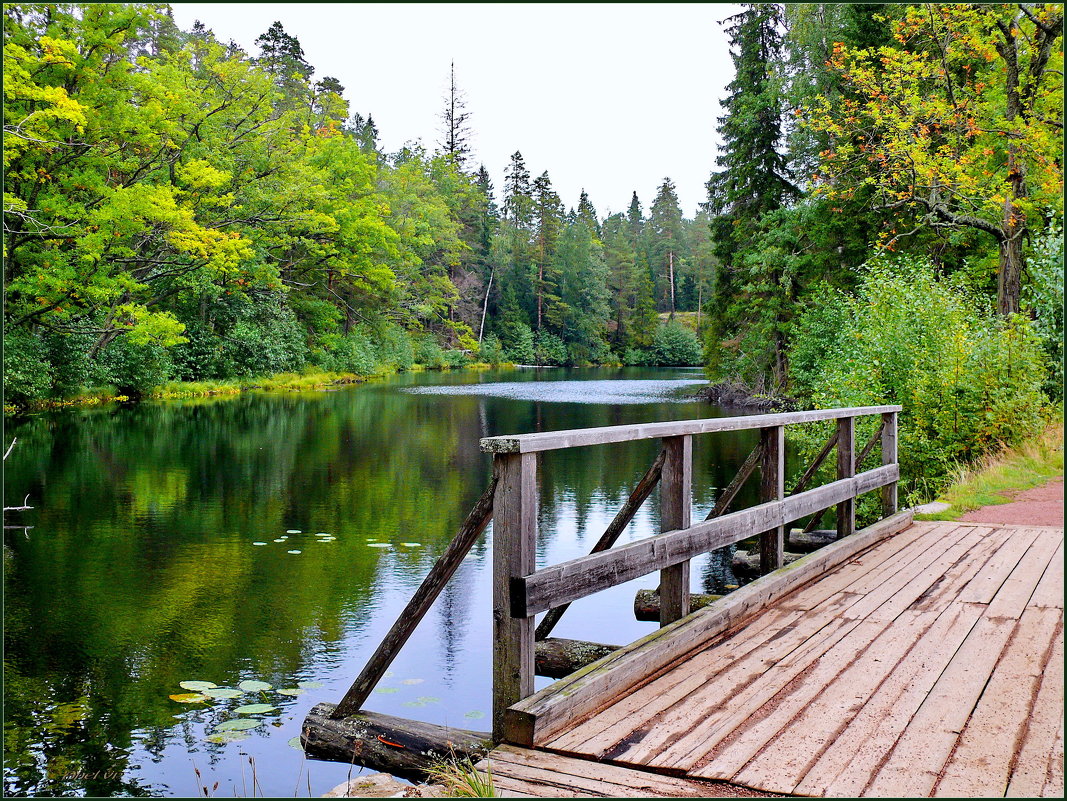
[(293, 382), (1028, 478)]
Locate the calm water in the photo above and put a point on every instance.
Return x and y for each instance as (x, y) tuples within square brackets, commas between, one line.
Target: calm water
[(140, 570)]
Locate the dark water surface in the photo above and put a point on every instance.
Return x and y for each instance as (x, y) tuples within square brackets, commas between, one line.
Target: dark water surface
[(140, 569)]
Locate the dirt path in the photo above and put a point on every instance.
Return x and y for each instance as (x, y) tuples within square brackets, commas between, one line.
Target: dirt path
[(1040, 506)]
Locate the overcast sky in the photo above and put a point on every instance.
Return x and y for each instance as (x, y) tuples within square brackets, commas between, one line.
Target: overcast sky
[(609, 97)]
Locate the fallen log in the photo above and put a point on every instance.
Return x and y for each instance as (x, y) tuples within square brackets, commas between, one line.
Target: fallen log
[(646, 603), (748, 564), (808, 541), (557, 657), (382, 742)]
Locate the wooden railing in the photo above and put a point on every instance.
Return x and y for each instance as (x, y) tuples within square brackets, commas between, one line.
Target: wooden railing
[(521, 591)]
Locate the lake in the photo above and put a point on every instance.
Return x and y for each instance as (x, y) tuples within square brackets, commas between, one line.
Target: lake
[(274, 537)]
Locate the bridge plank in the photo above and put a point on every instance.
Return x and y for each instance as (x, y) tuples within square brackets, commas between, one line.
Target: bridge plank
[(846, 766), (556, 708), (924, 747), (1049, 592), (573, 438), (984, 586), (981, 765), (1015, 593)]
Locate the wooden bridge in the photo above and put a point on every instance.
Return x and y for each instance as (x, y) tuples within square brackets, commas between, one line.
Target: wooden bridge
[(904, 659)]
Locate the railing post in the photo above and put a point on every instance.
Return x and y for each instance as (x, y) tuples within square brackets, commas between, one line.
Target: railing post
[(514, 538), (846, 468), (675, 509), (772, 488), (889, 456)]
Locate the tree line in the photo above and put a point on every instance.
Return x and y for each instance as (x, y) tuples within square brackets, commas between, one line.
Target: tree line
[(178, 209)]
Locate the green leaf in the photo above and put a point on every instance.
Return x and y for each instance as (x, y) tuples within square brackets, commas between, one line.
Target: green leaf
[(238, 724), (254, 709), (197, 685), (252, 685), (223, 692), (387, 690), (309, 685), (189, 698), (474, 714), (291, 691), (294, 742), (227, 737)]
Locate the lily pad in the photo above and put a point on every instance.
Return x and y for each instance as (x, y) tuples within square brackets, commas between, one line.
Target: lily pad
[(291, 691), (293, 551), (292, 531), (309, 685), (474, 714), (189, 698), (388, 674), (197, 686), (223, 692), (280, 539), (294, 742), (227, 737), (259, 543), (238, 724), (413, 681), (252, 685), (387, 690), (254, 709)]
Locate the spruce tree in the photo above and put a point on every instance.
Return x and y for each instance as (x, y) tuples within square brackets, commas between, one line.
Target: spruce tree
[(456, 129)]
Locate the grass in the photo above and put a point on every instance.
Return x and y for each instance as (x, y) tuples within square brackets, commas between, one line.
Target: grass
[(461, 779), (995, 478)]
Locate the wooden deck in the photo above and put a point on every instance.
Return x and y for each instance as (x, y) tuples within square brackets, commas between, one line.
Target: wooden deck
[(930, 664)]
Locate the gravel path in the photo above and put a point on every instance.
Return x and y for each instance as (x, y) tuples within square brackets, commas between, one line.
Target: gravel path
[(1040, 506)]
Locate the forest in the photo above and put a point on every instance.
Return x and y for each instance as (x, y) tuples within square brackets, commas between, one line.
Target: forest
[(884, 223)]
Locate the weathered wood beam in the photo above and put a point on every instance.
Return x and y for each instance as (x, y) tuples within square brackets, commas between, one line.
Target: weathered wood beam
[(420, 603), (545, 714), (722, 503), (675, 514), (816, 519), (846, 468), (611, 533), (554, 440), (557, 657), (514, 541), (382, 742), (772, 488), (889, 456), (551, 586)]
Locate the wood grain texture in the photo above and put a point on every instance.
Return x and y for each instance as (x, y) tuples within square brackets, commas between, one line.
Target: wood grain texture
[(554, 440), (676, 487), (772, 488), (514, 538)]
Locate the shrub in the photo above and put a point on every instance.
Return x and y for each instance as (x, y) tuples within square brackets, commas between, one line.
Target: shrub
[(967, 380), (353, 353), (637, 357), (1043, 296), (549, 349), (676, 346), (490, 350), (133, 369), (520, 347), (456, 358), (27, 371), (428, 353)]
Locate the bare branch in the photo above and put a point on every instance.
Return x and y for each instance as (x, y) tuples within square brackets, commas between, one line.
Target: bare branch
[(10, 447)]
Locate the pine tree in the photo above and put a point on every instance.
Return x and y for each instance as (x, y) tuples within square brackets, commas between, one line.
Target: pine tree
[(548, 219), (454, 118), (587, 213), (517, 197), (282, 56), (666, 245)]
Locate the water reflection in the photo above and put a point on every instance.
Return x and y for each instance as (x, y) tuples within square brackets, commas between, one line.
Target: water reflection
[(140, 570)]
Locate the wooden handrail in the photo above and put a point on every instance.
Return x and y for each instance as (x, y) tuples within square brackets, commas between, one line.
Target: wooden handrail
[(576, 578), (556, 440)]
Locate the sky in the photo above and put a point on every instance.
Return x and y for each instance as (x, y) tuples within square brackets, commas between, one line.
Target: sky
[(612, 98)]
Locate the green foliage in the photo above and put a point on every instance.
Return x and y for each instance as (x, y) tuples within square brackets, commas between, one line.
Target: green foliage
[(491, 351), (549, 350), (676, 346), (428, 353), (134, 369), (1043, 296), (518, 342), (352, 353), (967, 380), (27, 371)]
